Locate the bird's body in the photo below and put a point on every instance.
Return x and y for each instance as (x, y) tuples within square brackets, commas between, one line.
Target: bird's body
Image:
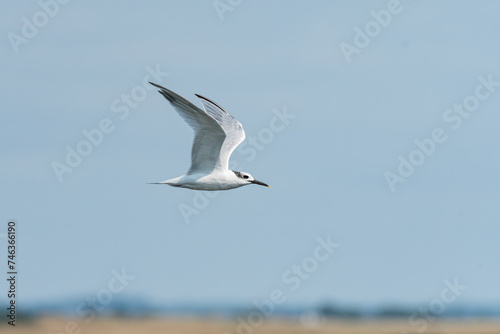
[(217, 134), (217, 180)]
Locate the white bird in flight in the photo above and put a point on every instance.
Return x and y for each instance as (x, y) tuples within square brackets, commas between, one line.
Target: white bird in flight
[(216, 135)]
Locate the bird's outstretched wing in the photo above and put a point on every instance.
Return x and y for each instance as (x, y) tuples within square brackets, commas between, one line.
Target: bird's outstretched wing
[(211, 149), (232, 128)]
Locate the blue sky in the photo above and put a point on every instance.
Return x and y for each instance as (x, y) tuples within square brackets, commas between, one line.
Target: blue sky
[(349, 123)]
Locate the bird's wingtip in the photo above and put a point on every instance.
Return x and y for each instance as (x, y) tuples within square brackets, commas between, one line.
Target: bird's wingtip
[(156, 85), (212, 102)]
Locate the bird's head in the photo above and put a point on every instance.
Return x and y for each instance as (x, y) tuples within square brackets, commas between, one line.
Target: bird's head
[(247, 179)]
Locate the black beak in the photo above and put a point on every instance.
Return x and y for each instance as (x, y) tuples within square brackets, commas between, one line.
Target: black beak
[(260, 183)]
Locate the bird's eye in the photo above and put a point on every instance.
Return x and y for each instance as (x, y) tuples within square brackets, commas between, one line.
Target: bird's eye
[(245, 176)]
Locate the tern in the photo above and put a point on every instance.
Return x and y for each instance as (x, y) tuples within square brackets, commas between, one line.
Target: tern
[(216, 135)]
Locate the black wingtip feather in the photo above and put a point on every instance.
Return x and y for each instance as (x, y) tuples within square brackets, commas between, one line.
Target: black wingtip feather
[(167, 96), (204, 98), (156, 85), (163, 91)]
